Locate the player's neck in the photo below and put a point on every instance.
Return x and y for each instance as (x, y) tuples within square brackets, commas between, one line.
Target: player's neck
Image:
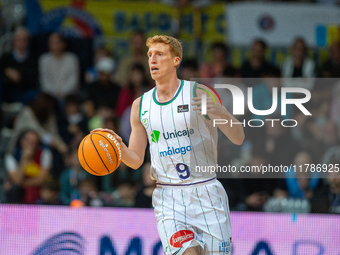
[(166, 89)]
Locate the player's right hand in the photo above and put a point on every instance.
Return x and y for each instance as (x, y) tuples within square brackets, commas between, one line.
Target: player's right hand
[(108, 131)]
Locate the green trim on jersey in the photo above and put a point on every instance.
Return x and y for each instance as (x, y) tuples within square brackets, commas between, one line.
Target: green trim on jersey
[(140, 108), (194, 89), (165, 103)]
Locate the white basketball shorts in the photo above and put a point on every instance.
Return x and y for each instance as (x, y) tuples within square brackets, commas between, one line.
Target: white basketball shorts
[(196, 215)]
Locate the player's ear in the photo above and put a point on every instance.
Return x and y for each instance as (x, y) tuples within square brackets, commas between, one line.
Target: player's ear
[(177, 61)]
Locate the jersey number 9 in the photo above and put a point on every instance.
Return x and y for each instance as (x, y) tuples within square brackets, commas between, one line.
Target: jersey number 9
[(183, 170)]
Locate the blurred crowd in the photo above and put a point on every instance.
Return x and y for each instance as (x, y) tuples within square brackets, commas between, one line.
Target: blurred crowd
[(202, 3), (49, 104)]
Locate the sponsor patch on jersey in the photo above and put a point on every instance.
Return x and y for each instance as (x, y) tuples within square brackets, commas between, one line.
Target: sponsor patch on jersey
[(145, 123), (183, 108), (225, 247), (155, 136), (180, 237)]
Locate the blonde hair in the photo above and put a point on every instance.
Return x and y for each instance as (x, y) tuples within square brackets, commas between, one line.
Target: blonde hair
[(175, 46)]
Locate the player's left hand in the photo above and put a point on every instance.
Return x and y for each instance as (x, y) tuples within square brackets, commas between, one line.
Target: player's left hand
[(212, 108)]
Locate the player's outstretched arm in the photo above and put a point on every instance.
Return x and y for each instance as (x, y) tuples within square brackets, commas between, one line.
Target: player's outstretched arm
[(132, 156), (235, 132)]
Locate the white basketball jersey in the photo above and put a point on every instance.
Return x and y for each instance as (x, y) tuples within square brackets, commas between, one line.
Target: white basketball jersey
[(182, 143)]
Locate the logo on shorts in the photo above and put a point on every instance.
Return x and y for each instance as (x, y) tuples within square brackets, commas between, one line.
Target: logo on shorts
[(180, 237), (224, 247), (183, 108)]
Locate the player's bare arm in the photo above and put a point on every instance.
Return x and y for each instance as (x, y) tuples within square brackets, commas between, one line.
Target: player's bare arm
[(132, 156), (235, 132)]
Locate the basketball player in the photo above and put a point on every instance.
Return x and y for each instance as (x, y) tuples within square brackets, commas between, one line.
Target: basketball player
[(191, 207)]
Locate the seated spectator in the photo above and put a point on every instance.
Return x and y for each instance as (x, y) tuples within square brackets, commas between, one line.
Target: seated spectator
[(327, 199), (112, 124), (144, 194), (138, 56), (103, 91), (334, 194), (125, 125), (28, 168), (218, 63), (138, 84), (70, 179), (331, 68), (263, 93), (124, 195), (102, 113), (302, 183), (59, 70), (89, 193), (49, 194), (91, 74), (19, 70), (40, 117), (330, 135), (72, 124), (277, 142), (188, 69), (298, 65), (256, 189), (257, 64)]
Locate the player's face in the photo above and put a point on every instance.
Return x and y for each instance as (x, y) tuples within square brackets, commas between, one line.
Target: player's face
[(161, 62)]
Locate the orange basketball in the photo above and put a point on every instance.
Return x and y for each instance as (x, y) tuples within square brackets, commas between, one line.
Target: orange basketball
[(100, 153)]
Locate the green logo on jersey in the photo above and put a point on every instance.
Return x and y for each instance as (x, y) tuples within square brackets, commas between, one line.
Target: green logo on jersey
[(155, 136), (144, 113)]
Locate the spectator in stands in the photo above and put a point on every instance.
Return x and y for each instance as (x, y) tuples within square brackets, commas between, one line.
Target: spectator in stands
[(334, 194), (257, 64), (28, 168), (298, 64), (144, 195), (40, 116), (327, 198), (125, 125), (331, 68), (330, 134), (59, 70), (255, 189), (72, 124), (124, 195), (102, 92), (138, 56), (277, 142), (71, 178), (92, 74), (302, 183), (89, 193), (49, 194), (137, 85), (218, 64), (263, 93), (19, 70), (189, 69), (335, 101)]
